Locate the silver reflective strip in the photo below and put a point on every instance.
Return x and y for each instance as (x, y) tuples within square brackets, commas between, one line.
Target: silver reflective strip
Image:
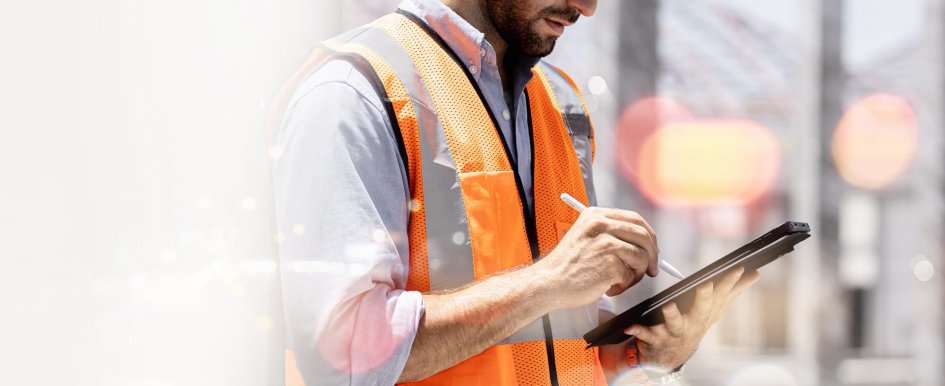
[(571, 105), (449, 251), (572, 323), (568, 323), (568, 101), (533, 331)]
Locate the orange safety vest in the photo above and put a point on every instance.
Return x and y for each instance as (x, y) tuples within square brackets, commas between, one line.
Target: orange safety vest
[(468, 218)]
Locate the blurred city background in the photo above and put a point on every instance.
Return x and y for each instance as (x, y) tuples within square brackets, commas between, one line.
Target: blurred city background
[(138, 245)]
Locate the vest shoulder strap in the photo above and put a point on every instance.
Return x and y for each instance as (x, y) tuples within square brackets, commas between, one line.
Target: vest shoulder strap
[(570, 101)]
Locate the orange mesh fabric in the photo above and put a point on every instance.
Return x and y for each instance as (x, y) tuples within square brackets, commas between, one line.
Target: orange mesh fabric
[(494, 366), (556, 165), (292, 375), (531, 363), (471, 136), (577, 366), (494, 216), (477, 151), (418, 274), (557, 170)]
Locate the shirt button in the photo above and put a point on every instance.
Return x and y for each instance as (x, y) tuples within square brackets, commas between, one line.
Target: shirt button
[(506, 115), (473, 69), (482, 52)]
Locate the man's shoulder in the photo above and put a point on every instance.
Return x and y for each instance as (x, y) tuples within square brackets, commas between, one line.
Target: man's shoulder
[(338, 99), (334, 76)]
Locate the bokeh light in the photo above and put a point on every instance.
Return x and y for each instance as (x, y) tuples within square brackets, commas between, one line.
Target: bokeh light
[(459, 238), (597, 85), (639, 122), (708, 162), (923, 270), (875, 141)]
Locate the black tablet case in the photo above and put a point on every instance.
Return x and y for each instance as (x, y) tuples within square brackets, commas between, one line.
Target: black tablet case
[(754, 255)]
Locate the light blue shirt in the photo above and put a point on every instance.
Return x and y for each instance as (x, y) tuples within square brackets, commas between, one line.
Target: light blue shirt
[(342, 205)]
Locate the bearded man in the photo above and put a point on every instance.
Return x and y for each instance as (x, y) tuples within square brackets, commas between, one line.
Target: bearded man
[(422, 160)]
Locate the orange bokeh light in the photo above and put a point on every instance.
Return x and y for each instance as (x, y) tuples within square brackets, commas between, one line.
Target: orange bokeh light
[(875, 141), (639, 122), (708, 162)]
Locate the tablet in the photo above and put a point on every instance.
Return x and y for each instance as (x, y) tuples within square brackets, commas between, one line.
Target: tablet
[(761, 251)]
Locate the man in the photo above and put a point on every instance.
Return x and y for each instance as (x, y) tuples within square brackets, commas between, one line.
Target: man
[(422, 158)]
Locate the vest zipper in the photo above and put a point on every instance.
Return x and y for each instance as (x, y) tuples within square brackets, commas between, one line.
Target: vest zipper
[(531, 228)]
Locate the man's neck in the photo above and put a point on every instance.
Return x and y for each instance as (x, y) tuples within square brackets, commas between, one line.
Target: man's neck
[(475, 13)]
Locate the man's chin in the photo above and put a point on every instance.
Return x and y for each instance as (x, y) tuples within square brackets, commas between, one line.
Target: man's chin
[(545, 52), (539, 49)]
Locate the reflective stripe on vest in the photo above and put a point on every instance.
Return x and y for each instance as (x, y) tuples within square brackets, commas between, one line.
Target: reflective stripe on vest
[(467, 219)]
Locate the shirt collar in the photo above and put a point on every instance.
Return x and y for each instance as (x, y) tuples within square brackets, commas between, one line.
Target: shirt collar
[(468, 43)]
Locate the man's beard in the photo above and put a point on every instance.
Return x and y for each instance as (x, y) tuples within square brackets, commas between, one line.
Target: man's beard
[(509, 19)]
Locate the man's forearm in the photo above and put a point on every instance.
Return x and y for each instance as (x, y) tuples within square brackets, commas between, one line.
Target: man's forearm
[(605, 251), (461, 324)]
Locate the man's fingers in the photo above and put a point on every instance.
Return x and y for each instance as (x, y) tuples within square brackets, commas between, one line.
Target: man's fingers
[(702, 308), (727, 284), (615, 290), (626, 216), (625, 275), (619, 288), (644, 333), (632, 259), (747, 280), (637, 236), (675, 323)]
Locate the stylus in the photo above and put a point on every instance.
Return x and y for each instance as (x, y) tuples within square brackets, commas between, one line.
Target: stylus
[(663, 264)]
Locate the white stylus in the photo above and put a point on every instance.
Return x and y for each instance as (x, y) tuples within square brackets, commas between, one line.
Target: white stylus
[(578, 206)]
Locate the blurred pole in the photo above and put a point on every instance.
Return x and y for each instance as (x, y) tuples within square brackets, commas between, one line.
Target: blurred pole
[(832, 191), (805, 193), (929, 337), (832, 78), (638, 58), (831, 90), (638, 69)]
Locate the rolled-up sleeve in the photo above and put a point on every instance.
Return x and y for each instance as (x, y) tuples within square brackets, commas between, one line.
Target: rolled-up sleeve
[(342, 211)]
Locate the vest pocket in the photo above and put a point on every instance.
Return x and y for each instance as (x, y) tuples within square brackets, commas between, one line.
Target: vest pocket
[(496, 222)]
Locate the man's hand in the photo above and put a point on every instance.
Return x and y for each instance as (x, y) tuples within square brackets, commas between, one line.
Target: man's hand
[(669, 345), (606, 250)]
